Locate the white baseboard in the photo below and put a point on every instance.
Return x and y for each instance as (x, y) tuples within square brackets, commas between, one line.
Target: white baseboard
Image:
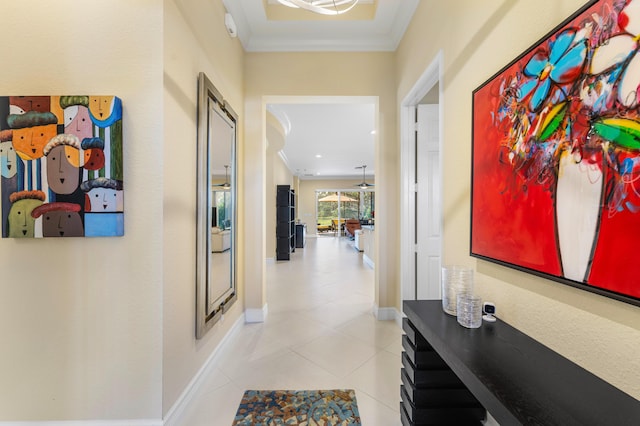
[(143, 422), (368, 261), (385, 314), (256, 315), (186, 398)]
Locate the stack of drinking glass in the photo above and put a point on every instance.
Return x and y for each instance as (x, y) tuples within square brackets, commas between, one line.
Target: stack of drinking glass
[(458, 298), (455, 279), (469, 309)]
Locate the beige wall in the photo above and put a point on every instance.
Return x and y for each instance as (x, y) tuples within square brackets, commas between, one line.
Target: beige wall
[(191, 44), (275, 142), (82, 339), (80, 318), (333, 74), (477, 39)]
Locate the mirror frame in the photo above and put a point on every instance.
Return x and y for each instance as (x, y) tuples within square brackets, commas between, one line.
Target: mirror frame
[(209, 312)]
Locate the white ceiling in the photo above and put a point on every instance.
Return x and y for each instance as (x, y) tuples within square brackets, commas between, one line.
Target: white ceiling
[(340, 132)]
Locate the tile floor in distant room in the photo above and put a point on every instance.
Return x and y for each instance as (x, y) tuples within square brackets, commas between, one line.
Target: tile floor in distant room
[(320, 333)]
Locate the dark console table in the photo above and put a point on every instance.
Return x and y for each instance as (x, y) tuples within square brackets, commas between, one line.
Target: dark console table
[(301, 235), (451, 374)]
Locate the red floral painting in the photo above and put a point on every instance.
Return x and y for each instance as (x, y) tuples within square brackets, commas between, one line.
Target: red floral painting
[(556, 155)]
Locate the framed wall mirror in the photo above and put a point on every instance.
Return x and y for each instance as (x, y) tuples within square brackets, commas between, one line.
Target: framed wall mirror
[(216, 207)]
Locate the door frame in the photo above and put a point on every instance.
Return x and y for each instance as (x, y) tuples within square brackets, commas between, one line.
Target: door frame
[(431, 76)]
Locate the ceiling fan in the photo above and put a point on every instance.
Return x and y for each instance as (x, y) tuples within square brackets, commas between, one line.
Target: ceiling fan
[(226, 184), (364, 184)]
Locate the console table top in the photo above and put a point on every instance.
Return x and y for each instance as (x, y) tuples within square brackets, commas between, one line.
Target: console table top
[(516, 378)]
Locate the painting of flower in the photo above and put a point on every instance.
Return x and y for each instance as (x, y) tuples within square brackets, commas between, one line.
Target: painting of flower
[(556, 155)]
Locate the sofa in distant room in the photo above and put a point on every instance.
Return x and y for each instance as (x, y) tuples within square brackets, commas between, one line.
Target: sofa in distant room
[(350, 226), (220, 239)]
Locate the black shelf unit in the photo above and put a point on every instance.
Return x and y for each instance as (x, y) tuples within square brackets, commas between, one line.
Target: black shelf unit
[(285, 222)]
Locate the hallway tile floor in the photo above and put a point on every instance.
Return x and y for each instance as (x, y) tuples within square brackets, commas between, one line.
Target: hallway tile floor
[(320, 333)]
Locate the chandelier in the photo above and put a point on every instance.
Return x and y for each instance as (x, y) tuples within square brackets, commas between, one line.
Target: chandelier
[(324, 7)]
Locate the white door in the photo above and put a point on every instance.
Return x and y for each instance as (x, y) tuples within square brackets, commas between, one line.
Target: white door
[(428, 217)]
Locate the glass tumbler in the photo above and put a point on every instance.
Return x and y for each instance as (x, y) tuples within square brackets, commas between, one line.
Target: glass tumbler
[(469, 310), (454, 280)]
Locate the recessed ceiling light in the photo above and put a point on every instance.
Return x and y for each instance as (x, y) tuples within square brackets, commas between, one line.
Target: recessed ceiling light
[(373, 132), (318, 156)]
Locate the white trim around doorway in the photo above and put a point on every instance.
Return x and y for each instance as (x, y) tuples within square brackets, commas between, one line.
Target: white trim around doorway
[(431, 76)]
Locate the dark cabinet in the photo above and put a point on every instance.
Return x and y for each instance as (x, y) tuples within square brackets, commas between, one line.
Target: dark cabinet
[(301, 235), (285, 222)]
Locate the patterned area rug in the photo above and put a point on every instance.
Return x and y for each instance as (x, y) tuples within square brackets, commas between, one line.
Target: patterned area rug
[(299, 408)]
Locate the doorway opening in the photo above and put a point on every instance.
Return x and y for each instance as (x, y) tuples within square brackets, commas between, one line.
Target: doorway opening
[(333, 165), (421, 194)]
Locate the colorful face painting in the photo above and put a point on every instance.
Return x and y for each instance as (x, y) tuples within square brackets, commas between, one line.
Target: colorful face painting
[(61, 163), (93, 153), (105, 110), (29, 142), (556, 155), (103, 195), (21, 223), (22, 104), (8, 157), (77, 121), (60, 219)]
